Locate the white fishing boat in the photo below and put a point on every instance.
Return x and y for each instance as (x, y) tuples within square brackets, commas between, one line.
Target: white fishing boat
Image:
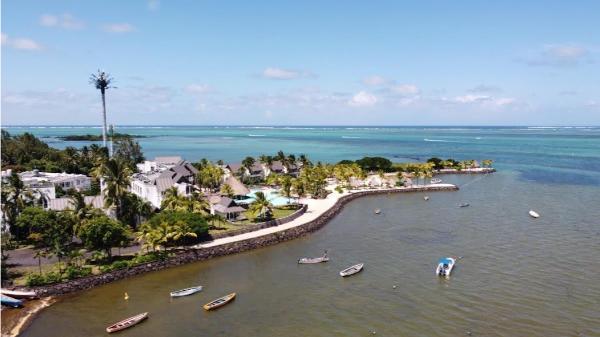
[(534, 214), (18, 293), (377, 211), (127, 323), (464, 204), (309, 260), (445, 266), (352, 270), (186, 291), (436, 180), (426, 198)]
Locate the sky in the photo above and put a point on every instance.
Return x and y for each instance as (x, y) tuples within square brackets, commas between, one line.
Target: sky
[(309, 62)]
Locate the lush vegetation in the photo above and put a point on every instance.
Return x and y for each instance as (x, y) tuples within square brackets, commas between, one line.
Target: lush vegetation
[(97, 138), (172, 228)]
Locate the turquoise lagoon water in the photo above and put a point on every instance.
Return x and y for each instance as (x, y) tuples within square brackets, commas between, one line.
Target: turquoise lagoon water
[(568, 155), (518, 276)]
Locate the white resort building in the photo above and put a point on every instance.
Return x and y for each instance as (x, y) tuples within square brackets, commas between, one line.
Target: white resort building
[(46, 183), (155, 177)]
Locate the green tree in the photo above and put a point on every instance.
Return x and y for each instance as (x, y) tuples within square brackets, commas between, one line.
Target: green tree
[(116, 175), (286, 186), (102, 233), (248, 162), (227, 190), (304, 161), (172, 228), (128, 151), (261, 207)]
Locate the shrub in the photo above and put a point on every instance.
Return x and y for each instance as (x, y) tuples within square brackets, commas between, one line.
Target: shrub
[(339, 189), (73, 272), (33, 280)]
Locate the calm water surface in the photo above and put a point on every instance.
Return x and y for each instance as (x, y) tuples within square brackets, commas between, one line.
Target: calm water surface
[(518, 276)]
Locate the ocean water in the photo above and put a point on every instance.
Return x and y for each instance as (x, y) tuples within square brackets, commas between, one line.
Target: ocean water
[(517, 276), (563, 155)]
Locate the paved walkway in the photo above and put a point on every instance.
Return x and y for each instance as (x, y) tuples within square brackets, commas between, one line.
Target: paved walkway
[(316, 207)]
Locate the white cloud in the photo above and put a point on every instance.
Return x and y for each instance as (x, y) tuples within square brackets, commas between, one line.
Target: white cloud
[(560, 55), (405, 89), (118, 28), (20, 43), (374, 80), (280, 74), (66, 21), (363, 98), (485, 100), (198, 88), (472, 98), (153, 5)]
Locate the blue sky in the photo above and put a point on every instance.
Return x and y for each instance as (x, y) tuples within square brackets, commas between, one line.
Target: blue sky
[(303, 62)]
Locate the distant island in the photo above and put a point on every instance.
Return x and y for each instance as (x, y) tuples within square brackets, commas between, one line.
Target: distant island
[(96, 138)]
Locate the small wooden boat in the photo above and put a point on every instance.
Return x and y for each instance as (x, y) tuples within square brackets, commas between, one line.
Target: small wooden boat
[(352, 270), (127, 323), (464, 204), (308, 260), (534, 214), (186, 291), (445, 266), (219, 302), (9, 301), (426, 198), (18, 293), (377, 211)]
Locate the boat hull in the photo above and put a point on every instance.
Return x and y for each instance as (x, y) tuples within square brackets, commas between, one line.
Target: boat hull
[(445, 272), (219, 302), (357, 268), (18, 293), (11, 302), (186, 292), (313, 260), (127, 323), (534, 214)]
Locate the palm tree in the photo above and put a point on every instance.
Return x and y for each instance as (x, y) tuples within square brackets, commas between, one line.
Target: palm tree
[(298, 187), (304, 161), (197, 203), (286, 187), (116, 178), (172, 201), (248, 162), (102, 81), (261, 206), (227, 190)]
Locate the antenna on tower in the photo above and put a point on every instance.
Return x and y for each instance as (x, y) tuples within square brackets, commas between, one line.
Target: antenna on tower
[(111, 132)]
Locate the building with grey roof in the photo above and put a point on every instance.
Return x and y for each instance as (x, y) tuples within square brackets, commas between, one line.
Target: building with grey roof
[(151, 185)]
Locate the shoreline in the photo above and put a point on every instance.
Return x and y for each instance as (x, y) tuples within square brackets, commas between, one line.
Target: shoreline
[(16, 321), (318, 212)]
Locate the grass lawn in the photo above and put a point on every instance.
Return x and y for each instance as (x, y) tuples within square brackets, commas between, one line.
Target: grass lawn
[(278, 212)]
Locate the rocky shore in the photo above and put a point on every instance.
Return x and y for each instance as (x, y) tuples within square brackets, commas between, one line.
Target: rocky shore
[(184, 256)]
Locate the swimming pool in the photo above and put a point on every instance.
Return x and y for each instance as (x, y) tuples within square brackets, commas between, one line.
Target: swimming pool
[(272, 195)]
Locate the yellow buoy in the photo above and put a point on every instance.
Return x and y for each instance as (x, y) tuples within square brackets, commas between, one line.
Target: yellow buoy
[(126, 296)]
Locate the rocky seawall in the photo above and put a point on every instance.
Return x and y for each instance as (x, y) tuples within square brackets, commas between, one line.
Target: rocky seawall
[(184, 256)]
